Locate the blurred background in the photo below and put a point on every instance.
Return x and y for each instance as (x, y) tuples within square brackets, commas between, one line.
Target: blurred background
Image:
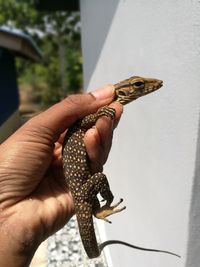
[(56, 70), (41, 63)]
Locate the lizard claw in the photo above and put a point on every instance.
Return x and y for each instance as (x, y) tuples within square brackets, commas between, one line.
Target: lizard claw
[(106, 220), (107, 210)]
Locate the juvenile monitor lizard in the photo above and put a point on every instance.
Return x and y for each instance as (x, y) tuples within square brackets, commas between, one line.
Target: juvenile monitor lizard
[(84, 185)]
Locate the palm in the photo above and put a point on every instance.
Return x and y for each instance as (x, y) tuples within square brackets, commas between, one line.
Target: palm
[(45, 195), (52, 203)]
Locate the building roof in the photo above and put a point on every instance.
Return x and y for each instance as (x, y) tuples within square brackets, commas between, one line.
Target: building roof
[(58, 5), (19, 43)]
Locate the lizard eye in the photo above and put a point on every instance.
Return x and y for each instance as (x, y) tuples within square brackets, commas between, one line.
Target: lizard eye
[(138, 84)]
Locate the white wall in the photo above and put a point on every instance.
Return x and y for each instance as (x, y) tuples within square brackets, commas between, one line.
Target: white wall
[(154, 164)]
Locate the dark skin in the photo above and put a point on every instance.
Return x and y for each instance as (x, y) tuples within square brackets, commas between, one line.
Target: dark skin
[(35, 201)]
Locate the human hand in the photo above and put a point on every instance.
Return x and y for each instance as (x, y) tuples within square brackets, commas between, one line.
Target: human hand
[(34, 198)]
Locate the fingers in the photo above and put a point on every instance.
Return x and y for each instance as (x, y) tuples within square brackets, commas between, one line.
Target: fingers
[(105, 127), (98, 140), (94, 149), (65, 113)]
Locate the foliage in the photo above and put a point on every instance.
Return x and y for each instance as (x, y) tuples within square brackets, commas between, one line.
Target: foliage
[(58, 36)]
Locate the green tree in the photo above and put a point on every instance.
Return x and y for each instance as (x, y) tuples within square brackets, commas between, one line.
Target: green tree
[(58, 36)]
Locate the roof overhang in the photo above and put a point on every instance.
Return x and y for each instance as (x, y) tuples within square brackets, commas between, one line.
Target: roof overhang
[(19, 43), (58, 5)]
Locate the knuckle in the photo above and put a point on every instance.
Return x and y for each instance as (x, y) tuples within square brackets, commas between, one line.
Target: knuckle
[(73, 100)]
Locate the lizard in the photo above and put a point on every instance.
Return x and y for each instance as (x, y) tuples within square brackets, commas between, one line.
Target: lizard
[(84, 185)]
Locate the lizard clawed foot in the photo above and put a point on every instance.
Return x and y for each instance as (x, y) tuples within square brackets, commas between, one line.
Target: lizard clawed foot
[(107, 210), (118, 203)]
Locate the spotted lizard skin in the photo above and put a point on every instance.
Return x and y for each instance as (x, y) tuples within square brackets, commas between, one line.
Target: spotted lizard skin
[(84, 185)]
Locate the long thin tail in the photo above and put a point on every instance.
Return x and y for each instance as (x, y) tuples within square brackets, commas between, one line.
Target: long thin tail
[(111, 242)]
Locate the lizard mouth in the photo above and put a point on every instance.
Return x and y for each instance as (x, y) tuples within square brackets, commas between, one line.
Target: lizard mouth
[(155, 87), (152, 88), (161, 83)]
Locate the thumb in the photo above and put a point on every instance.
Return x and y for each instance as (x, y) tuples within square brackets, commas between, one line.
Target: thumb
[(63, 114)]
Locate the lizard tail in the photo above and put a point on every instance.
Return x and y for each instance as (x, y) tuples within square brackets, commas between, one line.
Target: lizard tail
[(87, 233), (110, 242)]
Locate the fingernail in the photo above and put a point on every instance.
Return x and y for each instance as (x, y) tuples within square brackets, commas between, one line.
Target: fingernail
[(104, 92)]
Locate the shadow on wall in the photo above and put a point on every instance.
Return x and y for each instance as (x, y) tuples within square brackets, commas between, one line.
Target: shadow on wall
[(102, 23), (193, 249)]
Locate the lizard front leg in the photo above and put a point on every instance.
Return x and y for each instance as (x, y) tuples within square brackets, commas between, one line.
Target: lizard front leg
[(89, 121)]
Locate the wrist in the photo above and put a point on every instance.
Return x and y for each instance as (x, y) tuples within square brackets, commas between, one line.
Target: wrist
[(18, 241)]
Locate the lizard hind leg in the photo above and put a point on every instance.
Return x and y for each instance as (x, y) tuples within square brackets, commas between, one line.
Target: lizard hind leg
[(98, 183), (108, 210)]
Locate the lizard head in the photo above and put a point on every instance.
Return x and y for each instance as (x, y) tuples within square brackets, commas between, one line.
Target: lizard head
[(135, 87)]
